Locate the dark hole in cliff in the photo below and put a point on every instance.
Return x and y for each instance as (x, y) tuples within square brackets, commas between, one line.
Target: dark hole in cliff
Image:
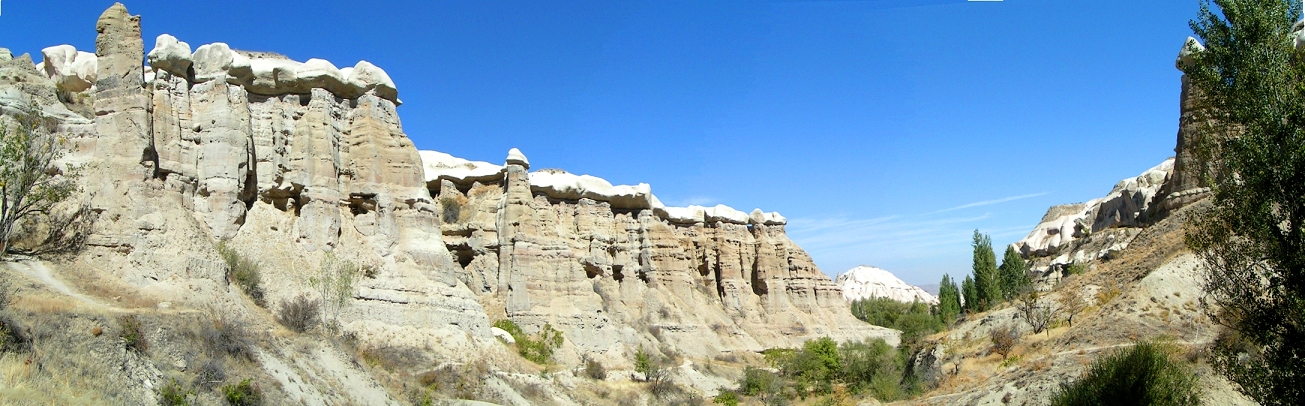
[(616, 273), (464, 256), (643, 276), (304, 99), (758, 285), (592, 270), (361, 203)]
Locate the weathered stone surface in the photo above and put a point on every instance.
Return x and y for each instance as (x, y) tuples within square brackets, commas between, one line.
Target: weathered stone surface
[(171, 55), (71, 70)]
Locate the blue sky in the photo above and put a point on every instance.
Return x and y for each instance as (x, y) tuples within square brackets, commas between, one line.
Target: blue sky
[(886, 131)]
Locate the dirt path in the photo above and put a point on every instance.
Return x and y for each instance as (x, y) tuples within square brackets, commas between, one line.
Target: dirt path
[(37, 270)]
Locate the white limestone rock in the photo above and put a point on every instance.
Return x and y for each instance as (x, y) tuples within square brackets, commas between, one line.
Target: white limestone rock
[(217, 61), (726, 214), (1192, 46), (170, 55), (371, 78), (865, 282), (1122, 207), (562, 185), (441, 166), (70, 69), (515, 157), (502, 335)]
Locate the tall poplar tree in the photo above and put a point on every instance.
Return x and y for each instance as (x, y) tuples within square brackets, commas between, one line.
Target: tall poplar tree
[(1250, 82), (949, 300), (970, 295), (987, 282), (1014, 273)]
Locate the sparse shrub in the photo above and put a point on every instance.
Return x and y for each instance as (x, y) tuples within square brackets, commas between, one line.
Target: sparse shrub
[(461, 381), (595, 369), (726, 397), (1039, 315), (8, 292), (173, 394), (13, 337), (245, 393), (243, 272), (132, 336), (885, 388), (335, 281), (299, 314), (539, 348), (1076, 269), (451, 208), (1108, 293), (211, 373), (1148, 373), (650, 367), (1003, 340), (395, 357), (228, 337)]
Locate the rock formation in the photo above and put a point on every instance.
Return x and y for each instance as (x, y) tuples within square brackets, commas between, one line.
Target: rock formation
[(288, 161), (866, 282)]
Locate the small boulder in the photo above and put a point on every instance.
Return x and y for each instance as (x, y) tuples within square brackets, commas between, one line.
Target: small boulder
[(502, 335)]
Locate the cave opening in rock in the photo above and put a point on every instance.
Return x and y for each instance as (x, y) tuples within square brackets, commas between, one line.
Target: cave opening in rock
[(464, 255), (616, 273)]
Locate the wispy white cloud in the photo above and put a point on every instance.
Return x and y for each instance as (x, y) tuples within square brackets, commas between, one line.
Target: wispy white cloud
[(990, 202)]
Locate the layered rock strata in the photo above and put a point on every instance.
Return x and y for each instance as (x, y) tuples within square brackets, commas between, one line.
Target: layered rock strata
[(289, 162), (591, 257)]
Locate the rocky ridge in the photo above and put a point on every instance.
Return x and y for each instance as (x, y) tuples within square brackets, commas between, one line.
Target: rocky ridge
[(287, 162)]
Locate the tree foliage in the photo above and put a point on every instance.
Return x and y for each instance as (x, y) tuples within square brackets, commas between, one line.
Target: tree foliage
[(913, 319), (949, 300), (970, 295), (335, 281), (1014, 274), (31, 183), (987, 281), (1250, 85)]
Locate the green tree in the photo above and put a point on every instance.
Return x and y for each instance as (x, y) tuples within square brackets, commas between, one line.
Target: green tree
[(987, 282), (31, 184), (335, 281), (1147, 373), (970, 295), (1014, 273), (949, 300), (1249, 87)]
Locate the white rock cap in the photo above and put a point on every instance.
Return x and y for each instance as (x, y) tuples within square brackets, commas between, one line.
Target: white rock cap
[(1191, 47), (170, 55), (515, 157)]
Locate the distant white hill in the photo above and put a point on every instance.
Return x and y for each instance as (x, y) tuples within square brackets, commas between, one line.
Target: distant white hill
[(864, 282)]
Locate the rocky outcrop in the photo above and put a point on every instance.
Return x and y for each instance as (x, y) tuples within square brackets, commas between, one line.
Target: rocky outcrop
[(591, 257), (289, 162), (1126, 205), (1188, 185), (867, 282)]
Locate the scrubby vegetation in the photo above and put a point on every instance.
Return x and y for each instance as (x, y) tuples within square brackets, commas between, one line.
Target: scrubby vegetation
[(245, 393), (243, 272), (824, 368), (173, 394), (915, 320), (299, 314), (1147, 373), (537, 348), (1003, 340), (335, 281), (132, 336)]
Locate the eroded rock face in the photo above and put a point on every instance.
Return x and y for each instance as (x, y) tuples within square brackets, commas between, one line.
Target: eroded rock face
[(288, 161), (588, 258)]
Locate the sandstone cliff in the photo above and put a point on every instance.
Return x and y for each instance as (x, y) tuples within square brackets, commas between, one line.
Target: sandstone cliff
[(287, 161)]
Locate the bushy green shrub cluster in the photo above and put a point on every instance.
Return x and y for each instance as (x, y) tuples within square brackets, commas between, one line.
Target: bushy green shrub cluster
[(538, 348), (243, 272), (1148, 373), (245, 393), (914, 319), (173, 394), (871, 368), (132, 336)]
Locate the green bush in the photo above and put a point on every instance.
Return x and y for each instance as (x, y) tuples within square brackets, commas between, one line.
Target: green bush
[(1147, 373), (726, 397), (539, 348), (245, 393), (132, 336), (863, 361), (173, 394), (760, 382), (243, 272), (914, 319)]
